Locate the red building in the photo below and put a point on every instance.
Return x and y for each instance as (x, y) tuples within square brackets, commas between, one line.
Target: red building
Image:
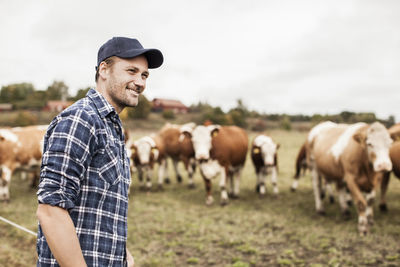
[(57, 105), (160, 105)]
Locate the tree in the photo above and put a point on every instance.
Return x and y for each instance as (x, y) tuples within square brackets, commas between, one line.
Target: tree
[(239, 114), (58, 90), (142, 110), (16, 92)]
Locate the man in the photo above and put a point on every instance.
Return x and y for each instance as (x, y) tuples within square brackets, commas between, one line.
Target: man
[(84, 180)]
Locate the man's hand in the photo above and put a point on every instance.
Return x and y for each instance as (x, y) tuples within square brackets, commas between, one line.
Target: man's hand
[(129, 259)]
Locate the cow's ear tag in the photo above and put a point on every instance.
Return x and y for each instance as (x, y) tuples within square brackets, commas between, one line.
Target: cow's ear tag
[(215, 133), (154, 150), (256, 150)]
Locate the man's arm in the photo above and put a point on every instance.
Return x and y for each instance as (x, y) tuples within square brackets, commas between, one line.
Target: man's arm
[(60, 234)]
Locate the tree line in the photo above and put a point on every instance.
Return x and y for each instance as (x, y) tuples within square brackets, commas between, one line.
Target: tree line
[(24, 96)]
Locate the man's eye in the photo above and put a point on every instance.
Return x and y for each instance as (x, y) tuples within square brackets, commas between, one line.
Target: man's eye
[(145, 76), (132, 70)]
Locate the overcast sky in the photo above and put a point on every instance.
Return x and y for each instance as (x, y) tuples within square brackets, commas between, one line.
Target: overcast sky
[(277, 56)]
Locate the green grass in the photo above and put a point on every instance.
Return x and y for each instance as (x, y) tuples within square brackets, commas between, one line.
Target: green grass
[(175, 228)]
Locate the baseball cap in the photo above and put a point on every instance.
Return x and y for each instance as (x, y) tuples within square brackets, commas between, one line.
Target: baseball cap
[(124, 47)]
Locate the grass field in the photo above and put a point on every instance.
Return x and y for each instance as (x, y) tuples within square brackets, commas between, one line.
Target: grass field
[(175, 228)]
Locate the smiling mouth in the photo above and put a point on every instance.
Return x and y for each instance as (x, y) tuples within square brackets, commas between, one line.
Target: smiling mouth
[(136, 90)]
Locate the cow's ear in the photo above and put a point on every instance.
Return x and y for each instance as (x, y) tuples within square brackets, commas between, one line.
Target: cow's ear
[(183, 135), (214, 132), (359, 137)]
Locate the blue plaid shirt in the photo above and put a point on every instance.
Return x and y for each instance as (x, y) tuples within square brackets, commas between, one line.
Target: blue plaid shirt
[(85, 170)]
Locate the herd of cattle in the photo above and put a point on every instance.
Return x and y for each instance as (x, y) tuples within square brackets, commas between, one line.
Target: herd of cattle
[(357, 158)]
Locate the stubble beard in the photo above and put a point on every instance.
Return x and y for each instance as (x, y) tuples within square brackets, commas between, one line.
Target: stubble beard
[(119, 95)]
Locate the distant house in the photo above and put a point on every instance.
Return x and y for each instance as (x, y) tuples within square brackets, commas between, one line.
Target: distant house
[(57, 105), (6, 107), (160, 105)]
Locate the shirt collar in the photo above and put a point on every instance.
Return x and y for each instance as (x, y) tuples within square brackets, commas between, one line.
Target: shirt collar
[(104, 108)]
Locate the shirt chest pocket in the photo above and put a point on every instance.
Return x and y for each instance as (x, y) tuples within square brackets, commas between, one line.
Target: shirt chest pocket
[(107, 162)]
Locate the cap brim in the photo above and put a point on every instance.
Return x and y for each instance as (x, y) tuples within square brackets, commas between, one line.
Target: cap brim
[(154, 56)]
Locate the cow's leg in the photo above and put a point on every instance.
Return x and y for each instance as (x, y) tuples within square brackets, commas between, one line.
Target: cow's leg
[(166, 180), (5, 180), (161, 172), (370, 207), (148, 177), (295, 184), (222, 186), (343, 201), (360, 203), (274, 180), (384, 187), (236, 181), (190, 165), (329, 190), (209, 199), (261, 182), (140, 177), (317, 191), (178, 174)]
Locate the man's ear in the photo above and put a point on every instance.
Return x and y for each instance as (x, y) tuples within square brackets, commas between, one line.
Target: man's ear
[(104, 69), (359, 137)]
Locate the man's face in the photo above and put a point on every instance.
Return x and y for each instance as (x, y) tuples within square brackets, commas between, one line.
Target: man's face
[(126, 80)]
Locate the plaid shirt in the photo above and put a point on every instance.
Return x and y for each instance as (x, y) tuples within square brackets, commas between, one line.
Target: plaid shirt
[(85, 170)]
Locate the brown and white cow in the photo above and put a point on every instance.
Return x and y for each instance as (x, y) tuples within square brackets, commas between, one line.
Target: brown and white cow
[(20, 148), (301, 167), (145, 153), (178, 146), (394, 154), (265, 160), (350, 155), (220, 150)]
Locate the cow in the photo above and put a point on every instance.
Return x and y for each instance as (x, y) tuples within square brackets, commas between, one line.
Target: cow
[(350, 155), (220, 149), (394, 154), (178, 146), (20, 149), (301, 167), (265, 160), (145, 153)]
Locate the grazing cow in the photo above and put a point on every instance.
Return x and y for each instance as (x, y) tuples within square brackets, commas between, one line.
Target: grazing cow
[(265, 160), (20, 149), (220, 150), (353, 155), (394, 154), (178, 146), (147, 151)]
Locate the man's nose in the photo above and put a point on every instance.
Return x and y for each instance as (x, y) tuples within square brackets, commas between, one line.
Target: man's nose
[(141, 83)]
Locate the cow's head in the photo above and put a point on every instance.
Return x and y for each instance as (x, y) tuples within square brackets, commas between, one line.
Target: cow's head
[(145, 150), (267, 148), (202, 141), (377, 141)]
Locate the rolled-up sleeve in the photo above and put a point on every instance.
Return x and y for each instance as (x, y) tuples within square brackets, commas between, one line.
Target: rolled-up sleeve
[(69, 144)]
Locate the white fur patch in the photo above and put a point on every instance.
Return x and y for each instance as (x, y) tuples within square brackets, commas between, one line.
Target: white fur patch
[(6, 173), (210, 169), (8, 135), (338, 148), (318, 128), (262, 139)]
